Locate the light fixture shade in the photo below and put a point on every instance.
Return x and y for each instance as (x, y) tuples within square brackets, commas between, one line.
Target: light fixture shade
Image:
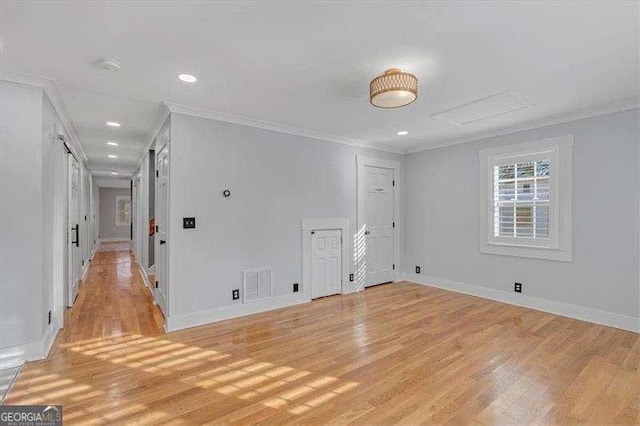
[(393, 89)]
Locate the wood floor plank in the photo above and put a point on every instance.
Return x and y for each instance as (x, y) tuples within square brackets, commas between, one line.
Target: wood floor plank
[(399, 353)]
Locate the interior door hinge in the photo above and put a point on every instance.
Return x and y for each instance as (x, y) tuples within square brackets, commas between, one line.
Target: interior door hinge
[(394, 224), (393, 182), (156, 284), (157, 174), (394, 266)]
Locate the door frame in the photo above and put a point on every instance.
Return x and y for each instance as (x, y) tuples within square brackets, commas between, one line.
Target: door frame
[(163, 302), (361, 163), (309, 225), (74, 273)]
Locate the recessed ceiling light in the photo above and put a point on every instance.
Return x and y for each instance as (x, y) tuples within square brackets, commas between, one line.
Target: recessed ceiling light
[(403, 133), (113, 124), (188, 78), (113, 143), (114, 173), (112, 156)]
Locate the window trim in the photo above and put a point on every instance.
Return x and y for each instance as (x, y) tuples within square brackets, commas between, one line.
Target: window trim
[(559, 246), (126, 198)]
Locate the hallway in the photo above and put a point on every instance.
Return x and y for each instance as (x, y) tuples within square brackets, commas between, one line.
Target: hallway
[(113, 301)]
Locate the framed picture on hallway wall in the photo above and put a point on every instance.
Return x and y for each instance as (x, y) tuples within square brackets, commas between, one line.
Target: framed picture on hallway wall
[(123, 210)]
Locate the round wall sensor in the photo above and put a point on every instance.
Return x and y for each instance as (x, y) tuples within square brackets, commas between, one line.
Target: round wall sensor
[(226, 193), (109, 64)]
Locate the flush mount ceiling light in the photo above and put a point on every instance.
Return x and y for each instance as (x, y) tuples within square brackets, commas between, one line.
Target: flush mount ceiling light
[(187, 78), (113, 124), (113, 143), (393, 89), (403, 133), (112, 156), (109, 64), (114, 173)]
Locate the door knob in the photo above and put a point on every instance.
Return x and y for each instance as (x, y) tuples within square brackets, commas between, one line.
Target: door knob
[(162, 242)]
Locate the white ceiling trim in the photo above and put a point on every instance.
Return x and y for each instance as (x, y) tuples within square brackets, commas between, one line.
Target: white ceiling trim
[(157, 126), (623, 105), (275, 127), (50, 88)]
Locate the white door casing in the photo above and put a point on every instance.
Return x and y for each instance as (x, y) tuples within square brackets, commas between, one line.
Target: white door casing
[(308, 226), (378, 212), (74, 269), (161, 290), (326, 263)]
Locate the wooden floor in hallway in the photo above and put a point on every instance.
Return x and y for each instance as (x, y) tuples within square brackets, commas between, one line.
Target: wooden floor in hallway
[(112, 302), (394, 354)]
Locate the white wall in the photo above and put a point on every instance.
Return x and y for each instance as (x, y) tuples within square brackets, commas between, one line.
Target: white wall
[(107, 221), (141, 214), (275, 180), (33, 216), (21, 207), (54, 218), (442, 208)]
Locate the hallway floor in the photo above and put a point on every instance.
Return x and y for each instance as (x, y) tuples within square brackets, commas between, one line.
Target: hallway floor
[(113, 301), (399, 353)]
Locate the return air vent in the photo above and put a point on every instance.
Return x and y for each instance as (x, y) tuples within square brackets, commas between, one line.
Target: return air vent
[(484, 108), (257, 284)]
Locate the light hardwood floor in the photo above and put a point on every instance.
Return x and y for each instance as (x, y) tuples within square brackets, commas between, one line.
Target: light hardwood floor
[(399, 353)]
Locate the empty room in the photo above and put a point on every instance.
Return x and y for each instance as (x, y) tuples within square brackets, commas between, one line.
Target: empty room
[(319, 212)]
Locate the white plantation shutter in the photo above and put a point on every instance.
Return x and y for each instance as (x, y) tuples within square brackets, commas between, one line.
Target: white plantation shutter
[(521, 199), (526, 199)]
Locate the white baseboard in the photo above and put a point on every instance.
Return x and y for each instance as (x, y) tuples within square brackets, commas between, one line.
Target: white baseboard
[(582, 313), (178, 322), (50, 337), (85, 269), (114, 240), (93, 251), (33, 351), (144, 275)]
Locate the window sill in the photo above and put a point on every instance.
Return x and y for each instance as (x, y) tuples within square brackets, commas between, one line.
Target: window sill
[(534, 252)]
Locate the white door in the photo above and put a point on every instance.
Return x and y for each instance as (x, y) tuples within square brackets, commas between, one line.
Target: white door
[(162, 233), (74, 269), (326, 263), (379, 227)]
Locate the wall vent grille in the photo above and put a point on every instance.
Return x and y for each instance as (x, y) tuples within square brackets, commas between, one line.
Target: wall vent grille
[(257, 284)]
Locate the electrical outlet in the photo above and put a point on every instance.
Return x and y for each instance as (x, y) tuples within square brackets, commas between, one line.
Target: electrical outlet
[(295, 287), (517, 287), (188, 222), (351, 277), (235, 294), (417, 269)]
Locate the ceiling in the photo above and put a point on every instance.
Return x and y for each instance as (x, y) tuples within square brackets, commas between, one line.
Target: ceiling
[(308, 66)]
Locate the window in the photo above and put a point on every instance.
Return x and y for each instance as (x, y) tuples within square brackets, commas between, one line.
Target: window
[(521, 199), (123, 210), (526, 198)]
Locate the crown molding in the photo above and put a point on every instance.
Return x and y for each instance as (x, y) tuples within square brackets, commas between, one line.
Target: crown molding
[(604, 109), (50, 88), (274, 127), (161, 118)]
